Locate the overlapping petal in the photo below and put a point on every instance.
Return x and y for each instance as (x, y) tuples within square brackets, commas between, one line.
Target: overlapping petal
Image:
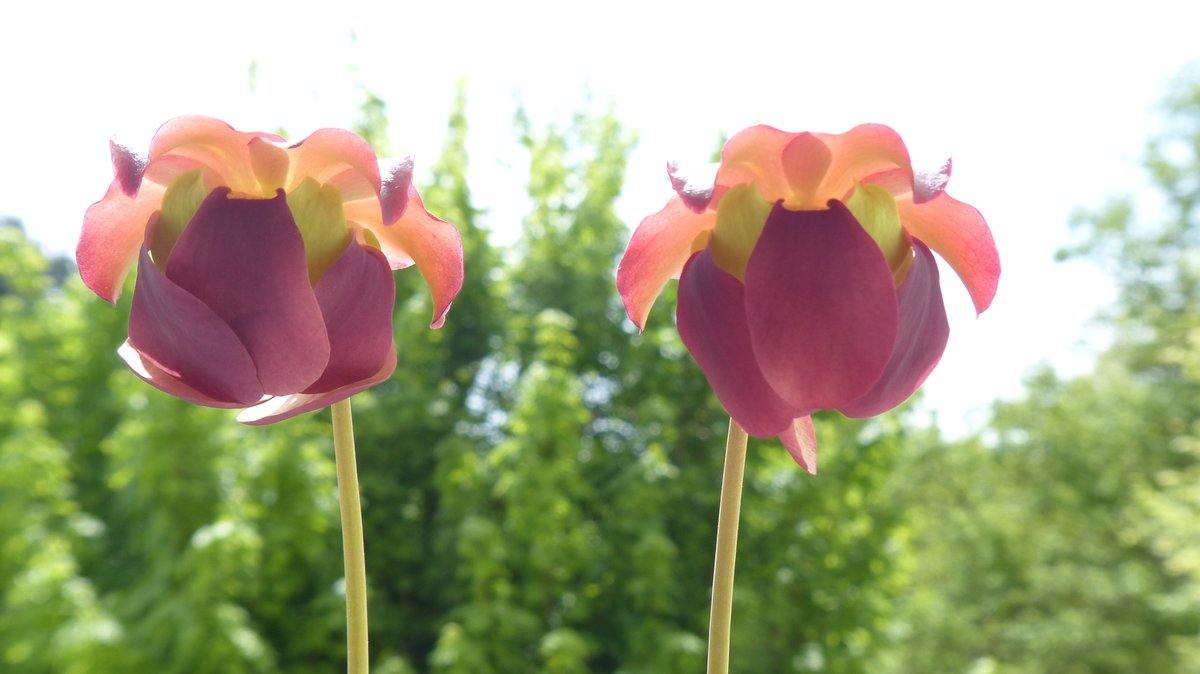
[(806, 169), (356, 297), (114, 227), (168, 382), (821, 307), (285, 407), (223, 151), (184, 347), (712, 324), (338, 157), (862, 151), (270, 164), (755, 155), (244, 258), (920, 339)]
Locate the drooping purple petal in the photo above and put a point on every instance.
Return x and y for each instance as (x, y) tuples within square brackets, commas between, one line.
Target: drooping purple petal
[(693, 184), (800, 440), (128, 167), (356, 295), (186, 340), (245, 259), (396, 176), (712, 324), (920, 340), (820, 306), (286, 407)]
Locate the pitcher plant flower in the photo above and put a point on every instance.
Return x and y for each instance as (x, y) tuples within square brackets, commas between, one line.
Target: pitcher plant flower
[(264, 269), (806, 283), (806, 277)]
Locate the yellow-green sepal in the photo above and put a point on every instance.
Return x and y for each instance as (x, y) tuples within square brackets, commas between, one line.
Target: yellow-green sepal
[(875, 209), (741, 215), (368, 238), (180, 202), (321, 220)]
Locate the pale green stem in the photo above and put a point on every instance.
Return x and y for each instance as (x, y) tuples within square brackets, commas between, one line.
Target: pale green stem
[(727, 533), (352, 539)]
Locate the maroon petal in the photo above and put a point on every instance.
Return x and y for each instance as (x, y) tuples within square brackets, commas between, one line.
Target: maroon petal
[(712, 323), (187, 341), (800, 440), (357, 295), (286, 407), (154, 375), (820, 306), (244, 258), (920, 340)]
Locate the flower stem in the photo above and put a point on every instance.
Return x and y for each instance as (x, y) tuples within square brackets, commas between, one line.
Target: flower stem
[(352, 539), (726, 557)]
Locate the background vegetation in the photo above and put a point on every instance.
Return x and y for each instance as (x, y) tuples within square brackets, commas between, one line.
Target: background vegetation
[(540, 483)]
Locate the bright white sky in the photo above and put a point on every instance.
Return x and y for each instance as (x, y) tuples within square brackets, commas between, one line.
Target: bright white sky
[(1045, 106)]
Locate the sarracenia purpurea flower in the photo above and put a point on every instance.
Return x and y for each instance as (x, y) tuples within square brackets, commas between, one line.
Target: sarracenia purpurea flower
[(264, 268), (806, 277)]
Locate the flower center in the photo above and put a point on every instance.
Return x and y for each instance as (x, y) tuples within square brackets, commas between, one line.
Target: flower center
[(317, 210), (742, 212)]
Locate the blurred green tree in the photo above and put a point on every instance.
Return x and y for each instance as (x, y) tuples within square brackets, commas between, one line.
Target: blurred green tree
[(51, 617), (1064, 539)]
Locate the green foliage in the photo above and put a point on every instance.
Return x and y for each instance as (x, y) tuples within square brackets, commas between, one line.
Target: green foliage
[(50, 617), (1037, 552), (819, 560), (1064, 541)]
